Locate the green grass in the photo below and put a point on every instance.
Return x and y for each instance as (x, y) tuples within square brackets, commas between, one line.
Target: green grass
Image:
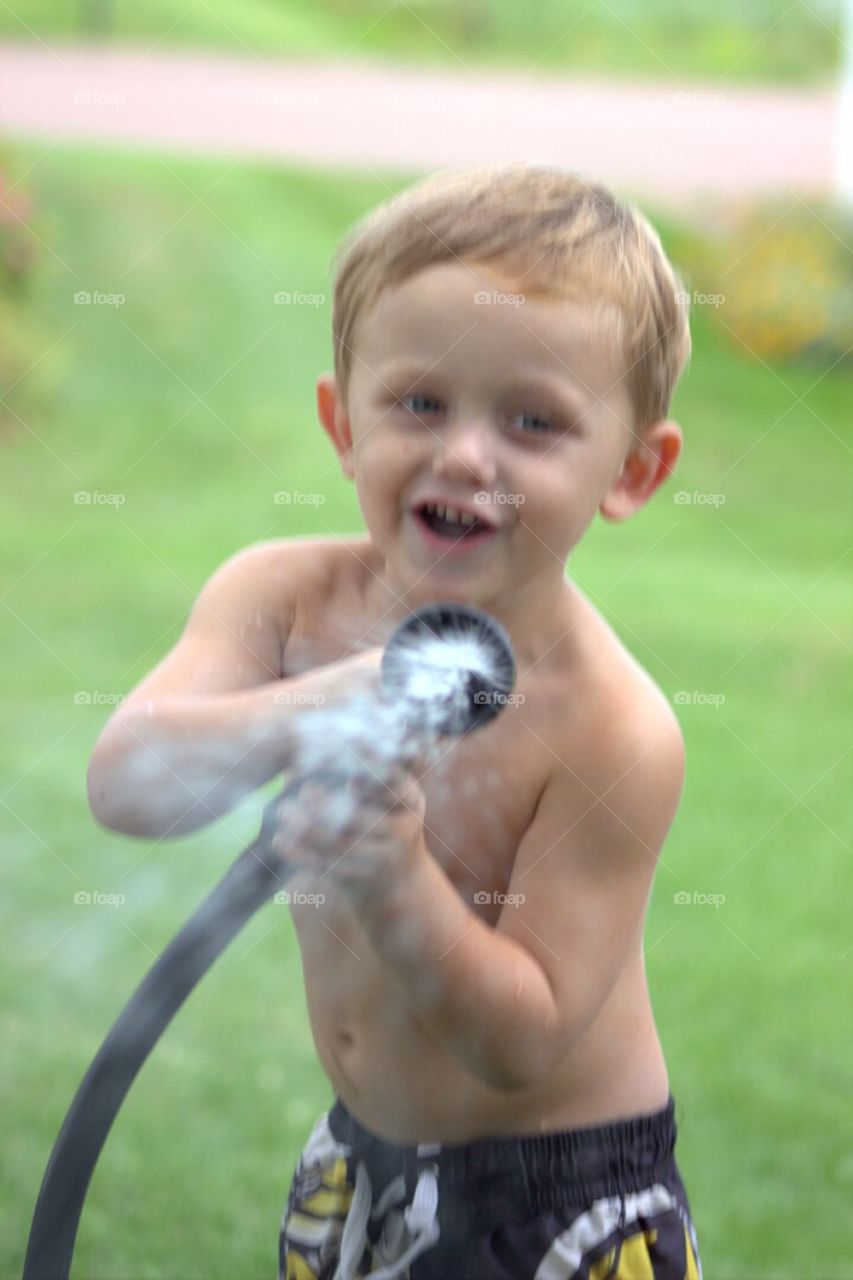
[(729, 42), (749, 600)]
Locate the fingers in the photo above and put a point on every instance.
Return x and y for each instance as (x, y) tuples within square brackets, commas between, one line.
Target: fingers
[(323, 810), (399, 790)]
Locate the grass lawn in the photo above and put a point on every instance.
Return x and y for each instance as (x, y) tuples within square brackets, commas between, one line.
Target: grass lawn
[(747, 600), (729, 42)]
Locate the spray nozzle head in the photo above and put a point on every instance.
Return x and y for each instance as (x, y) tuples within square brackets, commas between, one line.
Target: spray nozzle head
[(451, 666)]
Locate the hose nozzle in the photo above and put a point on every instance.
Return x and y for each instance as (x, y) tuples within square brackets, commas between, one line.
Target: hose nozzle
[(451, 666)]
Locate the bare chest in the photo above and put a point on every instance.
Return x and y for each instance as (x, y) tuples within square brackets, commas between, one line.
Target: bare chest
[(480, 801)]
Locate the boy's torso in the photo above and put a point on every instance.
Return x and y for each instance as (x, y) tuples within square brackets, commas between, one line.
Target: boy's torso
[(395, 1078)]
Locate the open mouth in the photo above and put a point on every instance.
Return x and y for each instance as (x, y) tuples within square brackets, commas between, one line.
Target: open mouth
[(449, 523)]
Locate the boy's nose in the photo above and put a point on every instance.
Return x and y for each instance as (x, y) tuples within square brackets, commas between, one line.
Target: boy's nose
[(466, 453)]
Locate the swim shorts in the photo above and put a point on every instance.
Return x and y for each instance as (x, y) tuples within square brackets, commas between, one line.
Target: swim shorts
[(603, 1202)]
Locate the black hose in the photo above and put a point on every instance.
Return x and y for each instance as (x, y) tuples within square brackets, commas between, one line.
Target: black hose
[(253, 878), (249, 882)]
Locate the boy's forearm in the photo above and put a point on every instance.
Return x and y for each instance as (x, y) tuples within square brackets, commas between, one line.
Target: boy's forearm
[(482, 994), (177, 763)]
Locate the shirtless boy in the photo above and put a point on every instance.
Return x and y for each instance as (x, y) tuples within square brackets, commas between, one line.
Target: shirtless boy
[(507, 340)]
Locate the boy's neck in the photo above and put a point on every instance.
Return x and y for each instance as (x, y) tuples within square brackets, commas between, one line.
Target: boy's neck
[(541, 618)]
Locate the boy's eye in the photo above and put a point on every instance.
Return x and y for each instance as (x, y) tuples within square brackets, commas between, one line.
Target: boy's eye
[(540, 424), (531, 423), (422, 403)]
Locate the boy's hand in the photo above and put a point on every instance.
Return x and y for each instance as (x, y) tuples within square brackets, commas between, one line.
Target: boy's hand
[(341, 681), (364, 833)]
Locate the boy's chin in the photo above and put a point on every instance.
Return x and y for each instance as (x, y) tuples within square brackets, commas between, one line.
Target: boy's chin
[(418, 584)]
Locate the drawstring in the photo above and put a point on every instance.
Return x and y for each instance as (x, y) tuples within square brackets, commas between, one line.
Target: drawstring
[(617, 1255), (419, 1217)]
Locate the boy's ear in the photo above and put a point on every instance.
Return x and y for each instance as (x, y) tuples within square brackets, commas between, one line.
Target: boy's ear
[(650, 460), (333, 416)]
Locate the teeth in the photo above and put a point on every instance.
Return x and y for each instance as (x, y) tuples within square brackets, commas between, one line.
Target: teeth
[(450, 513)]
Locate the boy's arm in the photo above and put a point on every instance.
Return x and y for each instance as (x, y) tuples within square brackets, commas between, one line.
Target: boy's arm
[(211, 722), (510, 1001)]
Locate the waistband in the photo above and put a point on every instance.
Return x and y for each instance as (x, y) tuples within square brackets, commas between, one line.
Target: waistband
[(615, 1158)]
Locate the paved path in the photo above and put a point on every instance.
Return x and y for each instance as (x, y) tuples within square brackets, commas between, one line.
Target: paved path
[(677, 144)]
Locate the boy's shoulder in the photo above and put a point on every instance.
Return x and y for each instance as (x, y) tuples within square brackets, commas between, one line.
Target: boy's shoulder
[(297, 563), (291, 580), (250, 610), (621, 707), (610, 697)]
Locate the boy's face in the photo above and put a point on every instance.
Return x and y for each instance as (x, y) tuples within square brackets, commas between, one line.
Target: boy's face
[(515, 412)]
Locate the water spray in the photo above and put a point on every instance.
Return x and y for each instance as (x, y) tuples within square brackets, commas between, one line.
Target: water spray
[(448, 669)]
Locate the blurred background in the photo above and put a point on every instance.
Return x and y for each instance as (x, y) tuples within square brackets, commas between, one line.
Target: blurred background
[(173, 180)]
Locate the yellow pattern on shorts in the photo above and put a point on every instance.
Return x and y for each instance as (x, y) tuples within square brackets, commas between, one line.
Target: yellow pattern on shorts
[(635, 1259), (640, 1236), (318, 1204)]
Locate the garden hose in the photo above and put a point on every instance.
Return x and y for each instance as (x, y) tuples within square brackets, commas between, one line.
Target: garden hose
[(415, 666)]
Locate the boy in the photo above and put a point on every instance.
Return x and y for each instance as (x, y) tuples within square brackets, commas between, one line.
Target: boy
[(507, 341)]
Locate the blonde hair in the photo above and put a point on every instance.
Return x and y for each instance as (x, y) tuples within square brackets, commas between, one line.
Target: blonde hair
[(556, 233)]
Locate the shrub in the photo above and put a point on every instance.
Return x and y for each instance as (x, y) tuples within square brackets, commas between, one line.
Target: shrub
[(785, 273)]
